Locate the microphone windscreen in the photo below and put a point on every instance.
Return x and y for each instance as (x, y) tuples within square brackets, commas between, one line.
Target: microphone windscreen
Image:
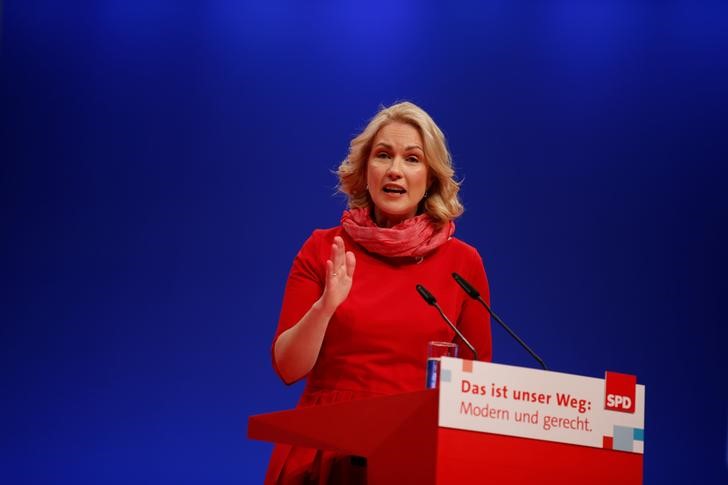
[(426, 295), (466, 286)]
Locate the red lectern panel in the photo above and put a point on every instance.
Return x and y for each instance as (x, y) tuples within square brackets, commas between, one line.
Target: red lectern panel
[(397, 434), (402, 442), (471, 457)]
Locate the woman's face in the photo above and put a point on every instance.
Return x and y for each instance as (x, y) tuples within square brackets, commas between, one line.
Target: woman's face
[(397, 173)]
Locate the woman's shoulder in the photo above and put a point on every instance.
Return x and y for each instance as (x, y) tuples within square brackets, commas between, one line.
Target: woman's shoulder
[(465, 259), (320, 240), (462, 248), (326, 234)]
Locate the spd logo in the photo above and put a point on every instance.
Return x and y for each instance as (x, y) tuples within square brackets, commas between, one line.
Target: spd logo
[(620, 392)]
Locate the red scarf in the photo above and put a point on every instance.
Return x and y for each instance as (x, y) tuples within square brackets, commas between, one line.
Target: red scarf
[(414, 237)]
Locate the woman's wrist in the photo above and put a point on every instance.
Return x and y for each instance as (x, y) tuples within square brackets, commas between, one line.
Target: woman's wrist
[(321, 310)]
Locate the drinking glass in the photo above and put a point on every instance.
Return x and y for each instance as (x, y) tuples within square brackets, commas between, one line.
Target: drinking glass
[(435, 350)]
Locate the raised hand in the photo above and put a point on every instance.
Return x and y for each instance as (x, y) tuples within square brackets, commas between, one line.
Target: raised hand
[(297, 349), (339, 276)]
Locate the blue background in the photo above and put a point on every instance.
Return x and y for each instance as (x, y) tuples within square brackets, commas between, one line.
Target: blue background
[(162, 162)]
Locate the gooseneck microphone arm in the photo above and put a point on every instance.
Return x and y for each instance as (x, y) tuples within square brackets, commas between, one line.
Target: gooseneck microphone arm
[(427, 296), (473, 293)]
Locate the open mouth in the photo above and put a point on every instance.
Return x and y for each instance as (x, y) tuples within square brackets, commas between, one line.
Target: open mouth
[(390, 189)]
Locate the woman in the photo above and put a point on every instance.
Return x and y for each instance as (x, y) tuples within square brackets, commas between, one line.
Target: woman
[(351, 319)]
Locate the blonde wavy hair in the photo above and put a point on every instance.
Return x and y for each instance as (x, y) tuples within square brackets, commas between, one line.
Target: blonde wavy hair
[(442, 202)]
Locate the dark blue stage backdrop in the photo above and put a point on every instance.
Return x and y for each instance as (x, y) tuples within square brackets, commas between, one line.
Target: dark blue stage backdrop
[(162, 162)]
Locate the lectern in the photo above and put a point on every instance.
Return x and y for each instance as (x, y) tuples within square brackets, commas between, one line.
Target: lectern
[(439, 436)]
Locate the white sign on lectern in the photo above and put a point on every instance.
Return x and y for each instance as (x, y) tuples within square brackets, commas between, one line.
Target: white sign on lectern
[(552, 406)]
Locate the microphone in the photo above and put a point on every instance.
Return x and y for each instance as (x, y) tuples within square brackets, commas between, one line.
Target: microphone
[(427, 296), (473, 293)]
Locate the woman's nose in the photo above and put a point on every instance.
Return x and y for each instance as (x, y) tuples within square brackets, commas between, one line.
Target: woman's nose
[(395, 168)]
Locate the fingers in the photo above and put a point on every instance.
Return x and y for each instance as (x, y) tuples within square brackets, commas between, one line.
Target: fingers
[(350, 263), (342, 262), (338, 257), (339, 275)]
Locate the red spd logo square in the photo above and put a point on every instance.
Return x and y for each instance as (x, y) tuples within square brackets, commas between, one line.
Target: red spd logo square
[(620, 392)]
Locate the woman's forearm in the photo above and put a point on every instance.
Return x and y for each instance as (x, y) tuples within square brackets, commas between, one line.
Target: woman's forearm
[(296, 350)]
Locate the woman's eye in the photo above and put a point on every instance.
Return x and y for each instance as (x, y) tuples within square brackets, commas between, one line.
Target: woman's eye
[(413, 159), (382, 155)]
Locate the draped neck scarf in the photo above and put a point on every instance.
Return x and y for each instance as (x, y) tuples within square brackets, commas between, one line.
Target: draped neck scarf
[(414, 237)]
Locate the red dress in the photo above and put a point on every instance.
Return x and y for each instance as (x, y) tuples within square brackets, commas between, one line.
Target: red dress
[(376, 341)]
